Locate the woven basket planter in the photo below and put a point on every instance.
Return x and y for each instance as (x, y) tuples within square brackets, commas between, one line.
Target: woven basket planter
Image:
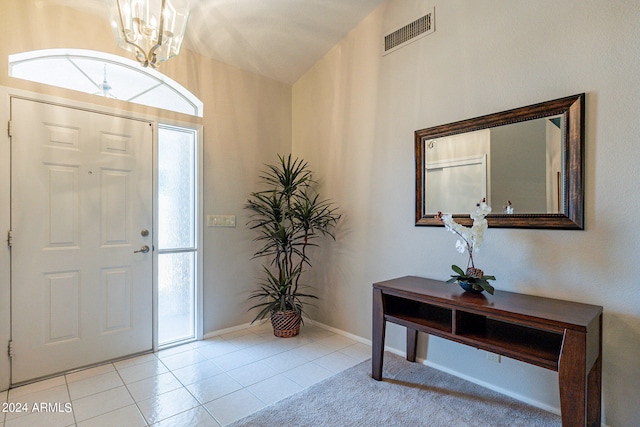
[(286, 324)]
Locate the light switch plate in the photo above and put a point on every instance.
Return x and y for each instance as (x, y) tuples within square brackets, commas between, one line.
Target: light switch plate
[(221, 221)]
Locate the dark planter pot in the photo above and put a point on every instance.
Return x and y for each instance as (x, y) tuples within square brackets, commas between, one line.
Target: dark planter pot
[(468, 287)]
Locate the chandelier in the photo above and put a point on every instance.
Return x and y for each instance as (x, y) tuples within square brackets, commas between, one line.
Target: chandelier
[(152, 29)]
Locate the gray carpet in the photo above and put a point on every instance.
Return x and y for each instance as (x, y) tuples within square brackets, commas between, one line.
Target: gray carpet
[(411, 394)]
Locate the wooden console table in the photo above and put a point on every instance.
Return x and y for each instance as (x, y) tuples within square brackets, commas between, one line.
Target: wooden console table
[(559, 335)]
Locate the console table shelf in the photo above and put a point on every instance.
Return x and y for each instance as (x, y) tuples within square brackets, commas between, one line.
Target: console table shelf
[(529, 345), (563, 336), (416, 313)]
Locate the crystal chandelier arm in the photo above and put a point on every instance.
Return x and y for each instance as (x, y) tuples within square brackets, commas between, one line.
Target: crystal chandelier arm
[(137, 29), (152, 52), (140, 51)]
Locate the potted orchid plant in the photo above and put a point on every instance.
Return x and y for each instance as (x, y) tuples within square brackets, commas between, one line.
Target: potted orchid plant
[(472, 279)]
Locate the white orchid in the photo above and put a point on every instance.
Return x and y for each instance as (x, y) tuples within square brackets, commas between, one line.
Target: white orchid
[(470, 238)]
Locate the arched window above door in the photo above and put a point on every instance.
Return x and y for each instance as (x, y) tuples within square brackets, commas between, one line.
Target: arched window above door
[(105, 75)]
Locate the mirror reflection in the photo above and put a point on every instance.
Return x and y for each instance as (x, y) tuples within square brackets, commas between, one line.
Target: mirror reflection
[(518, 168)]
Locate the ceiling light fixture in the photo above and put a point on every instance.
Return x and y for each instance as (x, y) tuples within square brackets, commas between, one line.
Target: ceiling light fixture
[(152, 29)]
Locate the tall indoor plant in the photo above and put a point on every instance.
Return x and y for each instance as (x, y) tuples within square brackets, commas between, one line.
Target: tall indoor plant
[(289, 217)]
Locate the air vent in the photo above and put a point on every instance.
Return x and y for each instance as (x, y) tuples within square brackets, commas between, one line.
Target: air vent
[(409, 33)]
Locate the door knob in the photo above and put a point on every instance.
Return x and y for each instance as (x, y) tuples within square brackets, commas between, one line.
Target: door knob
[(143, 249)]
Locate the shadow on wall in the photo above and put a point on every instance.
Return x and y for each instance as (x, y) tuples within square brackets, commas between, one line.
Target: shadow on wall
[(620, 332), (329, 274)]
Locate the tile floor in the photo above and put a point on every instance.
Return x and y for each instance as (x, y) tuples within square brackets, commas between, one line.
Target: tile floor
[(207, 383)]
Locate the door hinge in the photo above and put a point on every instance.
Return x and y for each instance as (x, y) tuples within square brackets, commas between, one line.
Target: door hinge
[(10, 348), (10, 238), (9, 129)]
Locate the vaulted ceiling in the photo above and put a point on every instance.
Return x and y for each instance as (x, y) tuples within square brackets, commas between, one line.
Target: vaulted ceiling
[(280, 39)]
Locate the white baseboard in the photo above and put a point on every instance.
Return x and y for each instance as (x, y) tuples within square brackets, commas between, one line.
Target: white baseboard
[(338, 331), (500, 390), (353, 337)]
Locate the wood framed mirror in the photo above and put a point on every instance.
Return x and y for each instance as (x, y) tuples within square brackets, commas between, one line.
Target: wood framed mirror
[(527, 162)]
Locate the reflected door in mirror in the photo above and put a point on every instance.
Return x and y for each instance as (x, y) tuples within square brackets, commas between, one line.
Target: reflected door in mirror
[(519, 165)]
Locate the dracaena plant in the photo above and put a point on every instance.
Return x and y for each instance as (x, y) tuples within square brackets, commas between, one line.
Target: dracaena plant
[(289, 217)]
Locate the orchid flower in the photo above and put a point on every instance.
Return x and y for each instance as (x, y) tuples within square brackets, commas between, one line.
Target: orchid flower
[(470, 238)]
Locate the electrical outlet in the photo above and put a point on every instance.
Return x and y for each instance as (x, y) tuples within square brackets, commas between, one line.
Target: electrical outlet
[(493, 357)]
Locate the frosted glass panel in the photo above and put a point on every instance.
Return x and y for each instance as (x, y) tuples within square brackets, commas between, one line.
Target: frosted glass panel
[(177, 230), (176, 192), (176, 299)]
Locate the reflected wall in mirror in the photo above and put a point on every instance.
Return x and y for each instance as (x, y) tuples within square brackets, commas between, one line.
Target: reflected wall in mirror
[(527, 162)]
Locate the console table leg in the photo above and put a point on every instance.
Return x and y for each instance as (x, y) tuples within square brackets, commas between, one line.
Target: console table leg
[(572, 375), (377, 345), (594, 394), (412, 344)]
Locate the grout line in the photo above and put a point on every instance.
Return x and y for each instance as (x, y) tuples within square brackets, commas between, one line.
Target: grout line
[(146, 422), (73, 413)]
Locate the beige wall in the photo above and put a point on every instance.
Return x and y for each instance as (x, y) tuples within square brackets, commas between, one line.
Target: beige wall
[(247, 120), (354, 114)]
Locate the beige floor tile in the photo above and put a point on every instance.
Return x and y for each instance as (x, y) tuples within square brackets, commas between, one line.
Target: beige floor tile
[(137, 360), (167, 405), (17, 392), (235, 360), (94, 384), (175, 350), (214, 387), (153, 386), (90, 372), (128, 416), (253, 373), (196, 417), (312, 350), (234, 406), (358, 351), (308, 374), (216, 348), (198, 372), (131, 374), (186, 358), (53, 417), (25, 401), (336, 342), (246, 340), (275, 388), (101, 403), (336, 362), (285, 361)]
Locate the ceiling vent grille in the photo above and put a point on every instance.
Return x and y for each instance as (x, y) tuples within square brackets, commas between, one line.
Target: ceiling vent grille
[(409, 33)]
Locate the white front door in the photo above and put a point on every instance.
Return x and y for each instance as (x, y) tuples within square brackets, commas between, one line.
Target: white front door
[(81, 204)]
